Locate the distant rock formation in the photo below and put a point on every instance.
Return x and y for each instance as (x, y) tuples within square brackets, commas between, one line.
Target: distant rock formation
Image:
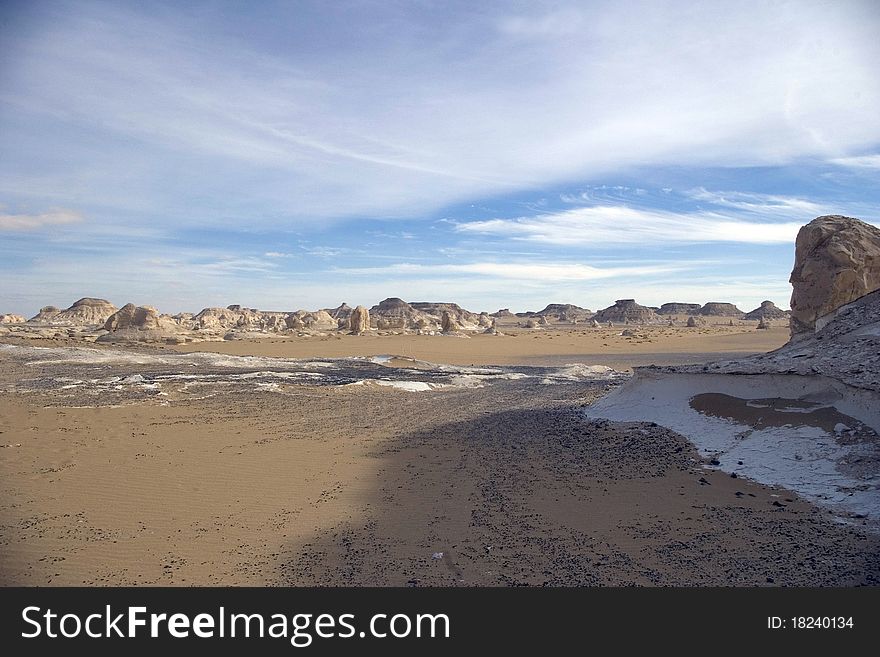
[(767, 310), (764, 323), (692, 322), (340, 313), (394, 313), (142, 324), (565, 312), (504, 312), (719, 309), (11, 318), (464, 318), (85, 312), (626, 311), (359, 320), (45, 315), (319, 320), (676, 308), (837, 260), (138, 317)]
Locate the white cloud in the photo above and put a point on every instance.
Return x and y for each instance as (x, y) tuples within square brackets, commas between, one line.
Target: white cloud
[(614, 225), (858, 161), (374, 125), (520, 271), (34, 221), (760, 204)]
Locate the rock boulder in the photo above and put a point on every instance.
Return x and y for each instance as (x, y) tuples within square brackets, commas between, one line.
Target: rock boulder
[(837, 260)]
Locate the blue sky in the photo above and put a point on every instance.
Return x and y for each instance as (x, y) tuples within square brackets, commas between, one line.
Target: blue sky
[(498, 154)]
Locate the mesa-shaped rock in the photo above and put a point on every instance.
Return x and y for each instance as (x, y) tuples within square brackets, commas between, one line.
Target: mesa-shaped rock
[(767, 310), (676, 308), (626, 311), (720, 309)]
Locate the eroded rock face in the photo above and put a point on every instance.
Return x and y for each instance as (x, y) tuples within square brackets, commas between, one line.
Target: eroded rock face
[(359, 320), (837, 260), (10, 318), (626, 311), (767, 310)]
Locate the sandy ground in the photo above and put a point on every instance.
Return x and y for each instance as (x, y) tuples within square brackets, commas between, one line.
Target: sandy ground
[(659, 345), (499, 485)]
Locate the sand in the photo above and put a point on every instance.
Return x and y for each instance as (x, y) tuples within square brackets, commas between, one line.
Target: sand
[(660, 345), (244, 477)]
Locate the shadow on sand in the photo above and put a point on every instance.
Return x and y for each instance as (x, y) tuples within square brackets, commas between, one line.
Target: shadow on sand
[(546, 497)]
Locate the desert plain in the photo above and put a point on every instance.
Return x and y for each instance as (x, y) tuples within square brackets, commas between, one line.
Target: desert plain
[(388, 460)]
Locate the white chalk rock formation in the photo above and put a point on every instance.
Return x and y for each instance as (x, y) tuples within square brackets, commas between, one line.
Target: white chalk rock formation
[(139, 317), (85, 312), (359, 320), (837, 260)]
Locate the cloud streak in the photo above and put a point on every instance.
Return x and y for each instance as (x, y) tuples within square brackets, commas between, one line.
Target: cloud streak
[(19, 222), (858, 161), (519, 271), (601, 226)]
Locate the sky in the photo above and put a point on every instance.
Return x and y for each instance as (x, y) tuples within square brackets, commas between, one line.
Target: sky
[(496, 154)]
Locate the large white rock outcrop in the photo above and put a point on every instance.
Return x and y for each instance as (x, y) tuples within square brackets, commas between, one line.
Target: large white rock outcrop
[(85, 312), (837, 260)]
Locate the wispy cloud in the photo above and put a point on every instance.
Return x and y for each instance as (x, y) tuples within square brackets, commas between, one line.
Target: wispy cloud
[(523, 271), (759, 204), (858, 161), (35, 221), (305, 131), (614, 225)]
